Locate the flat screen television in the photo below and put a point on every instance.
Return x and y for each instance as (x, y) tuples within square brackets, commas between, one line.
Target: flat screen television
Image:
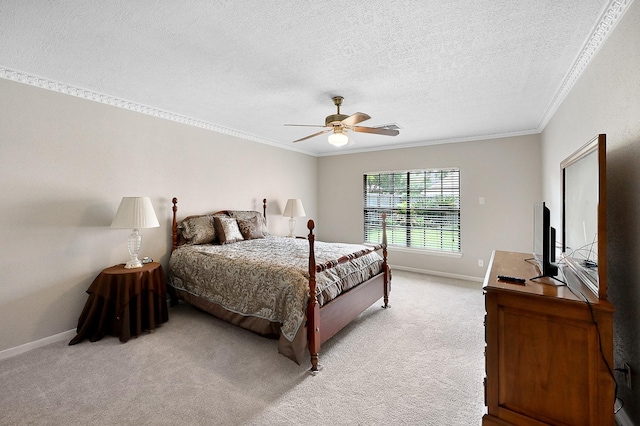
[(544, 241), (584, 214)]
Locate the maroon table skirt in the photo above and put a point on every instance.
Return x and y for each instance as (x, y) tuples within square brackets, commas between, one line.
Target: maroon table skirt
[(124, 303)]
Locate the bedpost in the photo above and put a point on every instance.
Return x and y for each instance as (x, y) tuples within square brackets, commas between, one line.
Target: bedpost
[(174, 245), (313, 309), (174, 225), (264, 210), (385, 265)]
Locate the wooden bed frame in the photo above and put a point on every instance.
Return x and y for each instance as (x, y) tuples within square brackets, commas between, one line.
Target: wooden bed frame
[(324, 322)]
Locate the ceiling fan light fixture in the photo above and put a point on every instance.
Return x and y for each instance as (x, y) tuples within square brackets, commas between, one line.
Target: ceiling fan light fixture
[(338, 139)]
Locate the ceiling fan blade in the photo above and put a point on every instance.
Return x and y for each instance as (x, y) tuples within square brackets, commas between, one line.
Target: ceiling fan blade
[(388, 126), (356, 118), (313, 135), (376, 130)]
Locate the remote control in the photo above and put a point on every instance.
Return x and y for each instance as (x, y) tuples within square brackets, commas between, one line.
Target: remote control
[(511, 279)]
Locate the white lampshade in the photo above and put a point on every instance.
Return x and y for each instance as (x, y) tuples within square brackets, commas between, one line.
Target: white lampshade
[(338, 139), (294, 208), (135, 213)]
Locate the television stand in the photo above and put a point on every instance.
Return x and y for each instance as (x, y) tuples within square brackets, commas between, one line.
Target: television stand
[(543, 359), (548, 276), (528, 259)]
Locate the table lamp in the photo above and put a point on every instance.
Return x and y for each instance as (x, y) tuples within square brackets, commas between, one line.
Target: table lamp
[(135, 213), (292, 210)]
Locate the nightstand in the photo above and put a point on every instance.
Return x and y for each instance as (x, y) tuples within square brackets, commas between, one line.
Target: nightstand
[(123, 303)]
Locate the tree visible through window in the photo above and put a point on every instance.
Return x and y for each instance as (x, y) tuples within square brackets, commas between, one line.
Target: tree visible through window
[(422, 207)]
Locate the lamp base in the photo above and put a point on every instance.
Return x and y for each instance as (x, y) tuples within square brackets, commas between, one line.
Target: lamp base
[(292, 225), (133, 263), (134, 245)]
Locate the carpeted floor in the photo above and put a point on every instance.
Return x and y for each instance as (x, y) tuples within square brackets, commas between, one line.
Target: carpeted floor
[(419, 363)]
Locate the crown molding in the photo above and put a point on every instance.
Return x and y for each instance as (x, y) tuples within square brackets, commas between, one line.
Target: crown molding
[(607, 22), (67, 89)]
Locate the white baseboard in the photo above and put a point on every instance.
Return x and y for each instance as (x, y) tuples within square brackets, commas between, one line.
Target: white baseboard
[(622, 419), (65, 335), (436, 273)]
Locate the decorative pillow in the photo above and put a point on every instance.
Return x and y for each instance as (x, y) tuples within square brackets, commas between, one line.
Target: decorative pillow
[(241, 214), (227, 229), (198, 230), (250, 228)]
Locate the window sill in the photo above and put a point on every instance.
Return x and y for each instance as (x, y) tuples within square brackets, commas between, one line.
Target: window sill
[(420, 251)]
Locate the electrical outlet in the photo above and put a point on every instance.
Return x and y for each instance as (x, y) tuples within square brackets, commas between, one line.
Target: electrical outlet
[(480, 263), (627, 375)]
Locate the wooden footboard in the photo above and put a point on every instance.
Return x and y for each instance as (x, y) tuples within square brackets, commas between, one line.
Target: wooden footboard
[(324, 322)]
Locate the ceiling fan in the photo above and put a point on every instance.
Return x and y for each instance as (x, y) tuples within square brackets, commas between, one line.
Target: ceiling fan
[(339, 124)]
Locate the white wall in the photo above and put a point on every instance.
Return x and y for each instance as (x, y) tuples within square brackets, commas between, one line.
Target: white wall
[(66, 162), (506, 172), (606, 99)]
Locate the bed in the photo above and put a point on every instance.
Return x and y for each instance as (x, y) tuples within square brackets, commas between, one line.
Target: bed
[(227, 264)]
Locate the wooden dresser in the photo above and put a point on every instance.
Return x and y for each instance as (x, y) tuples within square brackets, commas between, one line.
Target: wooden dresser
[(545, 355)]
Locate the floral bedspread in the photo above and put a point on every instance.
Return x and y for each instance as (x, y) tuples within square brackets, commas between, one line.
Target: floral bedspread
[(268, 277)]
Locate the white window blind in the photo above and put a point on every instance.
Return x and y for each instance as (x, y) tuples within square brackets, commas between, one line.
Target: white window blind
[(422, 207)]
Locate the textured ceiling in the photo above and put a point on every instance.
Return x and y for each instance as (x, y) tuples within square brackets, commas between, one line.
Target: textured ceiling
[(443, 71)]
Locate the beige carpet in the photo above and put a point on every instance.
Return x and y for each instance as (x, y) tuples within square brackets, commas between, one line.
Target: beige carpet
[(419, 363)]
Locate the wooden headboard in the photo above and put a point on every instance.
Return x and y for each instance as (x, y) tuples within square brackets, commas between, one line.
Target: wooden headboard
[(175, 235)]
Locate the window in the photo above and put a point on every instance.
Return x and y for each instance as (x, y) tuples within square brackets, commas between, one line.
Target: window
[(422, 207)]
